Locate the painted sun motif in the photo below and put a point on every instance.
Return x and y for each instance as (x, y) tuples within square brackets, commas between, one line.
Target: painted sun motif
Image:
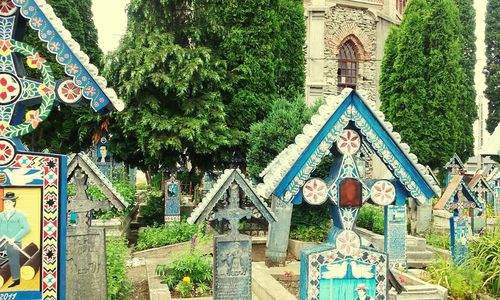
[(349, 142), (348, 242), (7, 152), (383, 192), (69, 92), (315, 191), (7, 8), (10, 88)]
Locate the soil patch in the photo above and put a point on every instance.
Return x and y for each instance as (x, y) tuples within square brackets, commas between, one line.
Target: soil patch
[(139, 280), (292, 283)]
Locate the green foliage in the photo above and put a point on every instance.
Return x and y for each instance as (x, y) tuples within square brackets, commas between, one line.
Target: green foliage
[(312, 232), (166, 234), (270, 136), (67, 129), (492, 39), (484, 256), (153, 212), (127, 190), (425, 92), (372, 218), (462, 282), (310, 223), (195, 78), (119, 286), (438, 240), (190, 274), (467, 100)]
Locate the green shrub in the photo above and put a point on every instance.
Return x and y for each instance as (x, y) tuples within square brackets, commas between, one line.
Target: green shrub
[(310, 223), (166, 234), (116, 255), (141, 186), (372, 218), (190, 274), (462, 282), (438, 240), (484, 256), (311, 233), (153, 212)]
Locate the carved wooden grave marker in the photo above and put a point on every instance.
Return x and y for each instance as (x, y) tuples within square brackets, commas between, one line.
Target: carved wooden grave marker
[(232, 251), (36, 182), (172, 200), (86, 250), (459, 199), (343, 268)]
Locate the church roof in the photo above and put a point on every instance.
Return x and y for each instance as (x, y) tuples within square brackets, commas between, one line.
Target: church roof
[(97, 177), (41, 17), (286, 174), (202, 211), (456, 184)]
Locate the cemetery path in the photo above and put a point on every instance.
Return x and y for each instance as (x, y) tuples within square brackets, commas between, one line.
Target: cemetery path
[(139, 280)]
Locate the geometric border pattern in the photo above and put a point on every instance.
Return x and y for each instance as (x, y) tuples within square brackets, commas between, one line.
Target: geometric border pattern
[(375, 142), (327, 256), (50, 217), (68, 54)]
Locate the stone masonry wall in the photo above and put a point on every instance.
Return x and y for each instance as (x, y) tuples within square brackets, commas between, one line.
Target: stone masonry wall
[(360, 24)]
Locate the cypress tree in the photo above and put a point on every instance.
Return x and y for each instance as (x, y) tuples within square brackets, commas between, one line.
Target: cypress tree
[(261, 42), (445, 77), (390, 83), (467, 113), (421, 78), (492, 38), (405, 106)]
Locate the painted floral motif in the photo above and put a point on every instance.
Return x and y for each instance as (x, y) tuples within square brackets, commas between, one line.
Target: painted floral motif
[(35, 61), (7, 152), (10, 89), (349, 142), (69, 92), (315, 191), (3, 127), (33, 118), (5, 47), (383, 192), (7, 8), (348, 242)]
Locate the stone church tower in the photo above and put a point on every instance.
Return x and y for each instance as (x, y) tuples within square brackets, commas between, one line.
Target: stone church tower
[(345, 44)]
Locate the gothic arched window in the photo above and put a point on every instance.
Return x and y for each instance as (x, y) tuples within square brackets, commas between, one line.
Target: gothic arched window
[(348, 65)]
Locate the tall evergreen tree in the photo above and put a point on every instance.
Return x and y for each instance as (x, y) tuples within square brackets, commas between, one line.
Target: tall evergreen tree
[(261, 41), (171, 86), (67, 129), (421, 78), (204, 72), (492, 38), (390, 83), (467, 113)]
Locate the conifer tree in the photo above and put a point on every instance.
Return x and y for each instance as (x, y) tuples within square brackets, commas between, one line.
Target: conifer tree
[(467, 113), (492, 38), (249, 53), (421, 87)]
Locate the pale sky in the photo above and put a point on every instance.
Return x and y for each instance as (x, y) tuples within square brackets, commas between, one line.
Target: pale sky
[(110, 19)]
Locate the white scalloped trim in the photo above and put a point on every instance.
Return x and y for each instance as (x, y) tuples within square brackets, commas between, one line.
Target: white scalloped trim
[(281, 165), (82, 57)]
